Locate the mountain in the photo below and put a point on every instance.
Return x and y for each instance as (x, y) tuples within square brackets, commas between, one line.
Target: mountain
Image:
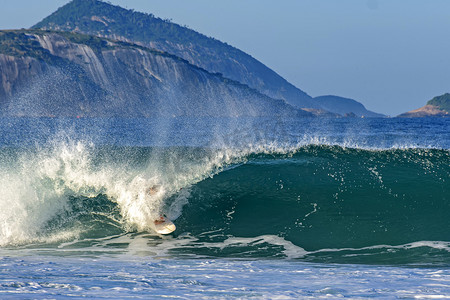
[(345, 106), (45, 73), (105, 20), (439, 106)]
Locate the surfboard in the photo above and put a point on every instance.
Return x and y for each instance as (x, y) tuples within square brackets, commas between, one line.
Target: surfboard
[(164, 226)]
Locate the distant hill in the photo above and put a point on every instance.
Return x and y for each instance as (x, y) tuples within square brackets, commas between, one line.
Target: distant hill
[(439, 106), (69, 74), (106, 20), (345, 106), (441, 102)]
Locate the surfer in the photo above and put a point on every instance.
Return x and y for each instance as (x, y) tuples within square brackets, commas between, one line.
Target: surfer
[(152, 191), (162, 224)]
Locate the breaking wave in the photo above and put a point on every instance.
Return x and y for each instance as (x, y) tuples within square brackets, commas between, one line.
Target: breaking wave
[(313, 201)]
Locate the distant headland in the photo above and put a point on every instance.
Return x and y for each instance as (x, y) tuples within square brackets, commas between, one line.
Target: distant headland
[(439, 106)]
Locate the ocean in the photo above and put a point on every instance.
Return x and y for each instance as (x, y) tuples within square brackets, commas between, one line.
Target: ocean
[(265, 208)]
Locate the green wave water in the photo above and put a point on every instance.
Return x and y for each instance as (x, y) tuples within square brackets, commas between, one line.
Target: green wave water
[(314, 202), (345, 205)]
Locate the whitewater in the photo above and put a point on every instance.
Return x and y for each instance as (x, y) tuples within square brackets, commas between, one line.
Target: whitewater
[(264, 208)]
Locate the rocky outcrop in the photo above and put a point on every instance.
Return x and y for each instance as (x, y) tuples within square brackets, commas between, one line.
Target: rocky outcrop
[(13, 71), (426, 111), (439, 106), (67, 74)]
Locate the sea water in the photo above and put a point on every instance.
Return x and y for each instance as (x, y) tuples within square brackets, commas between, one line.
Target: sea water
[(264, 208)]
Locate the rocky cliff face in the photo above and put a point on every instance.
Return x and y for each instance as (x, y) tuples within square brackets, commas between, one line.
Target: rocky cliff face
[(105, 20), (66, 74), (425, 111), (14, 70)]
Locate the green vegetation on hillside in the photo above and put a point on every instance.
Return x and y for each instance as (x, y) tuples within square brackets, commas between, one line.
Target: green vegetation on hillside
[(24, 43), (99, 17), (95, 43), (19, 44), (442, 102)]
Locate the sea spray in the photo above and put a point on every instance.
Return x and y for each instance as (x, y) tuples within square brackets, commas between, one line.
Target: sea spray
[(51, 186)]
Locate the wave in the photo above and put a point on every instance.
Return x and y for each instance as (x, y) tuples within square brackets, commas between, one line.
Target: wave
[(323, 197), (314, 201)]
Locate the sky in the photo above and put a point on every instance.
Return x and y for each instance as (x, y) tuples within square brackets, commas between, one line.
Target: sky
[(390, 55)]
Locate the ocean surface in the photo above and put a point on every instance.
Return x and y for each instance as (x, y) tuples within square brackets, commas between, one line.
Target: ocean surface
[(264, 208)]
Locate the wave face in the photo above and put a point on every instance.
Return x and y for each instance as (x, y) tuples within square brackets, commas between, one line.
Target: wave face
[(309, 200), (349, 201)]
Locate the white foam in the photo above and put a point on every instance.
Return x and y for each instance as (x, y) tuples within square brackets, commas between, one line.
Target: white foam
[(291, 251), (36, 188), (439, 245)]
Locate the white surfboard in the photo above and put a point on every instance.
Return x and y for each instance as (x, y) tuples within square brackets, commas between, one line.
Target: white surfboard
[(164, 226)]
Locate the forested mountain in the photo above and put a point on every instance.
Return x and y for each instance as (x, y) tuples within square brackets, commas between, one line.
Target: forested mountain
[(103, 19)]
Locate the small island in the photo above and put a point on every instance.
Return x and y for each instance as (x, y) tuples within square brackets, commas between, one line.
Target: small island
[(439, 106)]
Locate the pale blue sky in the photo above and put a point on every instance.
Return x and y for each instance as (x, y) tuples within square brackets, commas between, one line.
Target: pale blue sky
[(391, 55)]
